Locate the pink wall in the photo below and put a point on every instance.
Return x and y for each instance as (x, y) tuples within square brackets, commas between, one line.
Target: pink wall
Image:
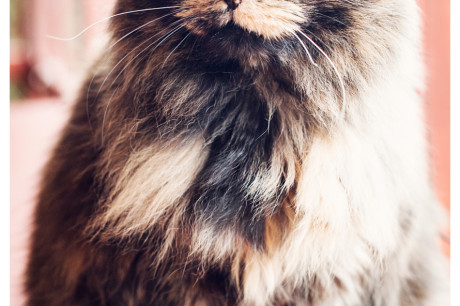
[(437, 54), (62, 64)]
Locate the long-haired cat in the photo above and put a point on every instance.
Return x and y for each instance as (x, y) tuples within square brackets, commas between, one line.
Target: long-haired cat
[(244, 152)]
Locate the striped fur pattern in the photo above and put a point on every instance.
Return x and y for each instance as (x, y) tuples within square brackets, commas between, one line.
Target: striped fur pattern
[(271, 154)]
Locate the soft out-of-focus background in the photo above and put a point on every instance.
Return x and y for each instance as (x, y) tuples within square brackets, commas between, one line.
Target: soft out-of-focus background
[(45, 75)]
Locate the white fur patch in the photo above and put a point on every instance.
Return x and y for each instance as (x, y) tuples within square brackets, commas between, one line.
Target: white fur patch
[(152, 185)]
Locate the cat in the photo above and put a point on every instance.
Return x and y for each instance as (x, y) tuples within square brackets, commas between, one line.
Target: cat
[(245, 152)]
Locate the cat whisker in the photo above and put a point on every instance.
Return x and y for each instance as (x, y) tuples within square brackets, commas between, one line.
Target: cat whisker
[(175, 30), (108, 18), (115, 90), (175, 49), (140, 27), (121, 60), (105, 113), (334, 67), (87, 102), (109, 48), (310, 58), (330, 17), (169, 34)]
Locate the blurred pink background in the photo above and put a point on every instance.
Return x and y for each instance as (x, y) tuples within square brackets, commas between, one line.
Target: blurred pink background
[(45, 74)]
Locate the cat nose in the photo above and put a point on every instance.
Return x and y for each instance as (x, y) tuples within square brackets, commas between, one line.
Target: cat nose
[(233, 4)]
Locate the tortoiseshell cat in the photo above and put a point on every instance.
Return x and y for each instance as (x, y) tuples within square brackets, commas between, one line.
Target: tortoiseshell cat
[(245, 152)]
